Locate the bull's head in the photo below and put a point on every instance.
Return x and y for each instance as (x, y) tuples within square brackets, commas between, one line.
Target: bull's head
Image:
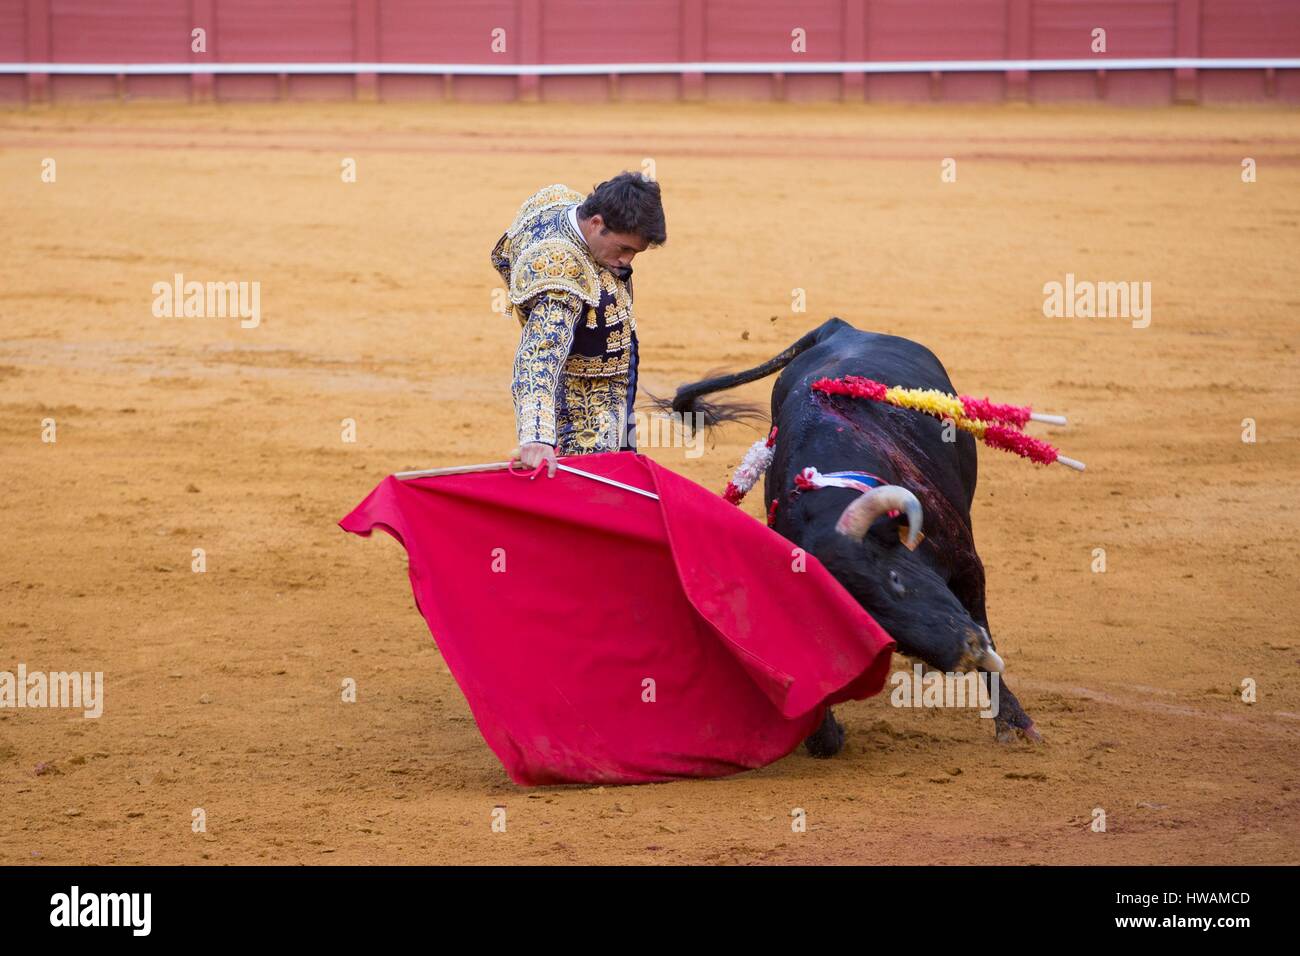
[(876, 559)]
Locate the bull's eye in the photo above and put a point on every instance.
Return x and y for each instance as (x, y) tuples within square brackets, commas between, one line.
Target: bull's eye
[(896, 583)]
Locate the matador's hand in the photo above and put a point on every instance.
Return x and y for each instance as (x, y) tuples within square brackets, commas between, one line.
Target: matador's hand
[(534, 453)]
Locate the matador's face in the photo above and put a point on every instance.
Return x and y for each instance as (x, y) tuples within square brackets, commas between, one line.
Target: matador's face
[(613, 250)]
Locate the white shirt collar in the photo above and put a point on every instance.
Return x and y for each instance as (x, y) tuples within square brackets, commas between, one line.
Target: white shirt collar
[(573, 219)]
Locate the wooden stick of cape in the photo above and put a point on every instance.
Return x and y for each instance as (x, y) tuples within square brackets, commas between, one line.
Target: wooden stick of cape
[(505, 465)]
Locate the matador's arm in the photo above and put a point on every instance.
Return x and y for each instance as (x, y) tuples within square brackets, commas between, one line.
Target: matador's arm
[(543, 347)]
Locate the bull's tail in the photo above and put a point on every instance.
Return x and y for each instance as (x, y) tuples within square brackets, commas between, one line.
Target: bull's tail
[(689, 403)]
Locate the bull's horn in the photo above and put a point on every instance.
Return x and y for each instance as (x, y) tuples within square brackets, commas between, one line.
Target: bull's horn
[(857, 517)]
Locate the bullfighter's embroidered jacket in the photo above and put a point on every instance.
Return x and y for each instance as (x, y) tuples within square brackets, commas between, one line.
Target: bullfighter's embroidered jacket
[(574, 381)]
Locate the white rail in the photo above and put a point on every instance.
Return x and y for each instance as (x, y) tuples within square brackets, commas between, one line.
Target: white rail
[(598, 69)]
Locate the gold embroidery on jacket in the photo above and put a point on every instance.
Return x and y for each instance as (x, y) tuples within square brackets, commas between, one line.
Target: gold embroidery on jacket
[(553, 264), (576, 402), (540, 201), (597, 408), (546, 339), (597, 366)]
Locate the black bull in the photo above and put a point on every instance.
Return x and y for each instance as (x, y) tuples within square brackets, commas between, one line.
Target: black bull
[(930, 599)]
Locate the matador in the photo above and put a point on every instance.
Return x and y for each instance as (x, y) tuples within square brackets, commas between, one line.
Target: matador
[(566, 261)]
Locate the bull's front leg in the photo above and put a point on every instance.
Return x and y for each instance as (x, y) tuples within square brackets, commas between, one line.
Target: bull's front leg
[(828, 739), (1011, 722)]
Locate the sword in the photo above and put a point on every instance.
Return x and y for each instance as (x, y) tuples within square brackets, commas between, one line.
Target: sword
[(505, 466)]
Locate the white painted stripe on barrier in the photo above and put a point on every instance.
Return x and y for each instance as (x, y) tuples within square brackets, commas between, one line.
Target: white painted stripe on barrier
[(597, 69)]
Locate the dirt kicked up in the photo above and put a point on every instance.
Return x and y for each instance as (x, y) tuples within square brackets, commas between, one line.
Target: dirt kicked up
[(221, 443)]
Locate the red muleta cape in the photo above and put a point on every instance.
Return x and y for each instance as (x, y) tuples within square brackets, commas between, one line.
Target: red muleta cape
[(627, 640)]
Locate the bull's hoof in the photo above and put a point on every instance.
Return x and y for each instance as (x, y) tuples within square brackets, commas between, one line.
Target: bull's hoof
[(1009, 733), (828, 739)]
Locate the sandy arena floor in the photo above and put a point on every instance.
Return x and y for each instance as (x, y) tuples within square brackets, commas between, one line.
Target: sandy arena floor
[(222, 689)]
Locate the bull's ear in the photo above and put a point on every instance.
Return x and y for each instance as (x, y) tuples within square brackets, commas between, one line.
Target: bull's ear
[(888, 531), (903, 535), (891, 532)]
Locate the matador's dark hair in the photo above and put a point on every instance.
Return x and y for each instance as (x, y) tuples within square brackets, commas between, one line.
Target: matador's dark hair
[(629, 203)]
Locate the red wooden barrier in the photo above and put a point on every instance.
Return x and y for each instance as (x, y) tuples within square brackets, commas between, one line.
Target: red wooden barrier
[(784, 35)]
